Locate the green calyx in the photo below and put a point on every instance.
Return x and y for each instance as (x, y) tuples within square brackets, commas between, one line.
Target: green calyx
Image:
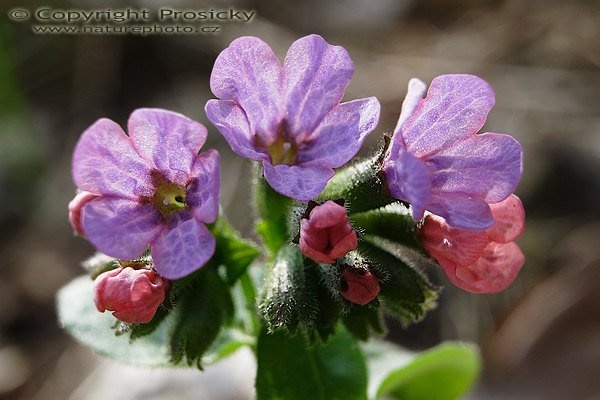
[(169, 198)]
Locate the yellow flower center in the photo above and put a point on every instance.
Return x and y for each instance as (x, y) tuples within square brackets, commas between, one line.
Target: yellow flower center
[(169, 198)]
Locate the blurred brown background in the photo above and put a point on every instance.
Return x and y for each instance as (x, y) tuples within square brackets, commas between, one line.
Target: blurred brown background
[(540, 339)]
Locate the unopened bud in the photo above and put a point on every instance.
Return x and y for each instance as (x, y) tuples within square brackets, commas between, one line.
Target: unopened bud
[(133, 295), (359, 286), (327, 234)]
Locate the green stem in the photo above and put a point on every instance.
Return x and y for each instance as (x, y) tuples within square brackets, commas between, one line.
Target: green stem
[(250, 296)]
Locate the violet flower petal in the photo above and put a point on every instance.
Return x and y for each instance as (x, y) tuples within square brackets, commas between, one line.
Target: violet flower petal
[(182, 247), (461, 210), (249, 73), (203, 191), (416, 90), (341, 133), (455, 108), (315, 77), (298, 182), (120, 228), (232, 123), (106, 163), (167, 140), (407, 178), (487, 165)]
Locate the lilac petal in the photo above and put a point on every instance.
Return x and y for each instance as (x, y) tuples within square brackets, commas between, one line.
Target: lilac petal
[(302, 183), (407, 179), (461, 211), (341, 133), (167, 140), (487, 165), (415, 93), (203, 190), (232, 123), (183, 247), (456, 107), (106, 163), (315, 77), (249, 73), (120, 228)]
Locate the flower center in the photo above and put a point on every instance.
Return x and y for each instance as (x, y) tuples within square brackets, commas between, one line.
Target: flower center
[(169, 198), (283, 151)]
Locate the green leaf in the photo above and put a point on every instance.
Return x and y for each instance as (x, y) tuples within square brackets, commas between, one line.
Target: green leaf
[(393, 222), (359, 185), (405, 290), (444, 372), (274, 212), (201, 312), (288, 298), (290, 369), (235, 253), (363, 321)]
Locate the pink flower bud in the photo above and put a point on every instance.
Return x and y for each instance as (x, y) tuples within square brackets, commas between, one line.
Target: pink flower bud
[(479, 262), (133, 295), (75, 208), (327, 234), (360, 287)]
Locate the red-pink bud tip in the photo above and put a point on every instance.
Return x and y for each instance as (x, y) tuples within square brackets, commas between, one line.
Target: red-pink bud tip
[(359, 287), (133, 295), (327, 234)]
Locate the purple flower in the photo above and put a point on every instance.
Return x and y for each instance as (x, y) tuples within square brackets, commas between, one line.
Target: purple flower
[(153, 188), (290, 118), (438, 162)]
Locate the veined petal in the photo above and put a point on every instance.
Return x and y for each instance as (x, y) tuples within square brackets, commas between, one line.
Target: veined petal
[(442, 241), (232, 123), (415, 93), (455, 108), (461, 210), (106, 163), (487, 165), (315, 77), (249, 73), (203, 190), (494, 271), (121, 228), (167, 140), (182, 247), (299, 182), (509, 220), (407, 178), (341, 133)]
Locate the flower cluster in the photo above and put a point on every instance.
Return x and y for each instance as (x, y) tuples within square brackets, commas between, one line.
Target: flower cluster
[(151, 193)]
